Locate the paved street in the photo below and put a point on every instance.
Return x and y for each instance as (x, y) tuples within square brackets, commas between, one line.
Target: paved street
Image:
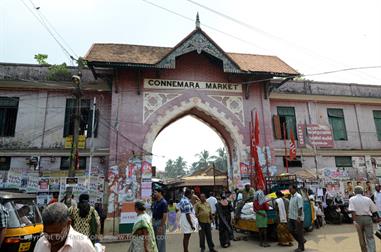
[(330, 238)]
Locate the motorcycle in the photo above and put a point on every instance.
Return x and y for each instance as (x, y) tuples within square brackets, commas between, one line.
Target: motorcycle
[(333, 213)]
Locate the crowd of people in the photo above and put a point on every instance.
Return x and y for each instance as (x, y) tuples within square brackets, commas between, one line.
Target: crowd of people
[(201, 214)]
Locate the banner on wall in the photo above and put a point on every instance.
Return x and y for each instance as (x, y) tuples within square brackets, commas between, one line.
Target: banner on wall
[(336, 173)]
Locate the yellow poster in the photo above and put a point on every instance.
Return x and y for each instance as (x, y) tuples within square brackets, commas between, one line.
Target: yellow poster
[(81, 142)]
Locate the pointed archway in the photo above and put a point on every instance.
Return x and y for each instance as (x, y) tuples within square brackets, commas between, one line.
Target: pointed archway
[(215, 119)]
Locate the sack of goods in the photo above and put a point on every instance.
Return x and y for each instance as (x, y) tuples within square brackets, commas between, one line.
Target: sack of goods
[(247, 212)]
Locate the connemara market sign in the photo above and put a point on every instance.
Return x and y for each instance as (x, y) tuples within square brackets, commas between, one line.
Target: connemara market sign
[(186, 84)]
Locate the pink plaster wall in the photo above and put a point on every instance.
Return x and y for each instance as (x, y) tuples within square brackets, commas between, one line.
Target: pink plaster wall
[(191, 66)]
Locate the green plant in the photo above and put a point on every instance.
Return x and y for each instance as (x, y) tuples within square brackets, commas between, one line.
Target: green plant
[(41, 58), (59, 73)]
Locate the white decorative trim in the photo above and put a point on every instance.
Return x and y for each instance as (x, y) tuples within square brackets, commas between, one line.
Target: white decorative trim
[(233, 103), (239, 148), (153, 101)]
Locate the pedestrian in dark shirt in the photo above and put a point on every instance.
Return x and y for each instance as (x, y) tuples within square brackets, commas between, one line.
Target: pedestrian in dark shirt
[(159, 214)]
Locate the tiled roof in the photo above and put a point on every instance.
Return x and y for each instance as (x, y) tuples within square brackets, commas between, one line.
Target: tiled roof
[(151, 55)]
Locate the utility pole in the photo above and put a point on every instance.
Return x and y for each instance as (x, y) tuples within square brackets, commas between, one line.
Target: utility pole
[(92, 138), (74, 157)]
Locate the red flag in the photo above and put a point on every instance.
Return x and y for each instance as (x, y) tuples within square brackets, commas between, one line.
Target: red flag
[(292, 146), (260, 181)]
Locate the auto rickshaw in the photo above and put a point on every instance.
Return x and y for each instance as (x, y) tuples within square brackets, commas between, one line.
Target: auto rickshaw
[(24, 221)]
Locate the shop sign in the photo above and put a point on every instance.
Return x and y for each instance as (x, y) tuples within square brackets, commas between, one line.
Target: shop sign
[(186, 84), (81, 142), (316, 135)]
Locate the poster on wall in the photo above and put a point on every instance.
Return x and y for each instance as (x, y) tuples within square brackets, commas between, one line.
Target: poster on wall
[(245, 170), (336, 173), (43, 184), (370, 169), (376, 164), (128, 181), (54, 184), (128, 214), (13, 179), (358, 163), (32, 184)]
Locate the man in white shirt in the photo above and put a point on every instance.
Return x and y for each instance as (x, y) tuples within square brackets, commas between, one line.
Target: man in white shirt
[(377, 201), (59, 236), (296, 217), (212, 202), (362, 209)]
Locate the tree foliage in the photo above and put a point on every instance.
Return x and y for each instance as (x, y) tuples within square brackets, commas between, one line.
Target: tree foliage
[(221, 160), (59, 73), (55, 72), (175, 168), (41, 58)]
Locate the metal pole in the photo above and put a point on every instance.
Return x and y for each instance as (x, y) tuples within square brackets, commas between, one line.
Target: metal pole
[(92, 138), (77, 118), (214, 178), (285, 146)]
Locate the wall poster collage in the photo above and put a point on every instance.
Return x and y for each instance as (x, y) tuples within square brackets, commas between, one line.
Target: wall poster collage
[(129, 181)]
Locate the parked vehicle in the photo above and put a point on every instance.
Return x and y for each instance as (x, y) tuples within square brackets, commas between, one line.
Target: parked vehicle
[(24, 222)]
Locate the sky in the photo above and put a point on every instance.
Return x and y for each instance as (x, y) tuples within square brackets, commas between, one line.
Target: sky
[(312, 36)]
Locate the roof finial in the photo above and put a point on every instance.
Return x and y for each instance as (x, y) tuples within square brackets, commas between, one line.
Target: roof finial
[(197, 21)]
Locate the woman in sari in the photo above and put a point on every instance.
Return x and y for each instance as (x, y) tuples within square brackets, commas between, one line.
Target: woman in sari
[(260, 206), (284, 236), (143, 236), (225, 230)]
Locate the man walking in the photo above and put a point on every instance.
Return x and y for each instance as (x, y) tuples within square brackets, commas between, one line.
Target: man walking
[(362, 209), (296, 217), (212, 202), (377, 201), (159, 215), (204, 215)]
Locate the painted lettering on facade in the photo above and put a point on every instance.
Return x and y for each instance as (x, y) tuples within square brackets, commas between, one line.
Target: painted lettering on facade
[(185, 84)]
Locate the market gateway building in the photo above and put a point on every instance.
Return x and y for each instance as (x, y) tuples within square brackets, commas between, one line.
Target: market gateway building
[(337, 126)]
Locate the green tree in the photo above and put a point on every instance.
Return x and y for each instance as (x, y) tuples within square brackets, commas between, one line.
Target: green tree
[(221, 160), (41, 58), (204, 159), (175, 168)]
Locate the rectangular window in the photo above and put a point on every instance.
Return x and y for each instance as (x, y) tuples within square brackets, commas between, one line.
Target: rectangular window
[(65, 163), (85, 119), (377, 122), (8, 115), (287, 119), (5, 163), (293, 163), (343, 161), (337, 122)]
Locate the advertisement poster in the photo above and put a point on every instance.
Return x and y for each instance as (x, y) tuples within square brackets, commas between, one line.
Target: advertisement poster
[(336, 173), (245, 170), (13, 179), (43, 184), (128, 214), (126, 182), (359, 164), (32, 184), (54, 184), (71, 182)]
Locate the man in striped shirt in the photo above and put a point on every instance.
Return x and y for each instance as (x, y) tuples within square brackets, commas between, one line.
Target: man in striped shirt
[(296, 217)]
